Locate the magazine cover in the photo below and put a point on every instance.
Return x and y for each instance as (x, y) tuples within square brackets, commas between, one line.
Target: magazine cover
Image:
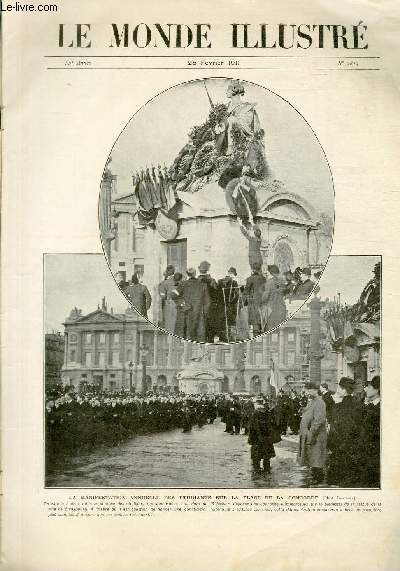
[(199, 286)]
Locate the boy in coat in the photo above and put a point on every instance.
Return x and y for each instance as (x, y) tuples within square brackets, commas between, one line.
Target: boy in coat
[(261, 437)]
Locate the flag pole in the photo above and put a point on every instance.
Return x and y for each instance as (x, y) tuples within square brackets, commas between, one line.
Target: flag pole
[(208, 95)]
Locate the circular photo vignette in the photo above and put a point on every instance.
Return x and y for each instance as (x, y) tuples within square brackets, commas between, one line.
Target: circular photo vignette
[(216, 210)]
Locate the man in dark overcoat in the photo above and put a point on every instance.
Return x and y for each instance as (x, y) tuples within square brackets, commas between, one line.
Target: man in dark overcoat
[(370, 446), (261, 437), (197, 304), (253, 291), (167, 305), (212, 313), (344, 437), (228, 297)]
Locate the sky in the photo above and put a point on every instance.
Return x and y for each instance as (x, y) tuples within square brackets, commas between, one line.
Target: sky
[(158, 131), (347, 275), (77, 280), (83, 279)]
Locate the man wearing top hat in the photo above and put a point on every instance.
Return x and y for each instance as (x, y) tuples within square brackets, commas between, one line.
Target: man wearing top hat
[(168, 310), (306, 286), (196, 304), (228, 297), (312, 441), (253, 291), (211, 319), (370, 435), (344, 437)]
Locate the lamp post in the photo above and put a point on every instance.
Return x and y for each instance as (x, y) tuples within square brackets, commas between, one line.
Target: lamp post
[(130, 365), (143, 357)]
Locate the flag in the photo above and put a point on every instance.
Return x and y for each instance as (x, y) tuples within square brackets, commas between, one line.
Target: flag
[(272, 377)]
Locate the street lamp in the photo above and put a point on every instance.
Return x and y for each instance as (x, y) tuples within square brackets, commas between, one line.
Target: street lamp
[(144, 351), (130, 365)]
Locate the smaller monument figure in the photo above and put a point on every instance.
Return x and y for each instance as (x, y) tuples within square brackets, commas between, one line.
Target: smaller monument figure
[(231, 137), (258, 247), (240, 132), (240, 193)]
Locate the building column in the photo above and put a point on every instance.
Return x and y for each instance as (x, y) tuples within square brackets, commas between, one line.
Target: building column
[(265, 350), (249, 356), (107, 347), (65, 349), (122, 346), (140, 341), (185, 353), (232, 355), (155, 349), (79, 348), (170, 351), (308, 246), (281, 348), (94, 347), (218, 350)]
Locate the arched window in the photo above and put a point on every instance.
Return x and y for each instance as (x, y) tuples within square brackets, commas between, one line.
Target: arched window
[(161, 381)]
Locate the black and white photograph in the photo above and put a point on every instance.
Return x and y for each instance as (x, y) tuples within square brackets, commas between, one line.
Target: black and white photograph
[(127, 405), (216, 210)]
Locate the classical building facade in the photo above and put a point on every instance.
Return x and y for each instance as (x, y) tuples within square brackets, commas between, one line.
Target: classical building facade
[(123, 350), (362, 359)]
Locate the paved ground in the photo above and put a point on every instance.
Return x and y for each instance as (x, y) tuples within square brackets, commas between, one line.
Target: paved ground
[(204, 457)]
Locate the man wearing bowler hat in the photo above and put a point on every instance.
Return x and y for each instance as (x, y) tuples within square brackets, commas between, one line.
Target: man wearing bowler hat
[(344, 437), (306, 286), (196, 304), (312, 441)]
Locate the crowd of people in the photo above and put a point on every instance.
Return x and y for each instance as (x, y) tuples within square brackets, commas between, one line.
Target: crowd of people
[(338, 436), (201, 308), (79, 421), (340, 439)]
